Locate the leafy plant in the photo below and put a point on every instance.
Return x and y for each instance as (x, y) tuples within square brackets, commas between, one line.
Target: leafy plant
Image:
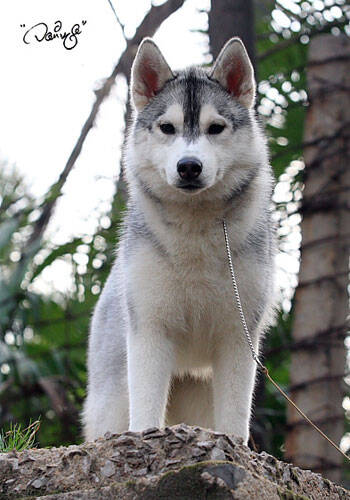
[(18, 438)]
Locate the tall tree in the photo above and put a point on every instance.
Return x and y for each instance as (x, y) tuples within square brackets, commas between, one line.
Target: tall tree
[(321, 301), (228, 19)]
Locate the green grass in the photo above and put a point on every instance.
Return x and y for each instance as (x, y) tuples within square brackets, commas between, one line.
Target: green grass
[(18, 438)]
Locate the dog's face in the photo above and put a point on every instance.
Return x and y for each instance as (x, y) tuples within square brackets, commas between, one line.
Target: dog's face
[(191, 128)]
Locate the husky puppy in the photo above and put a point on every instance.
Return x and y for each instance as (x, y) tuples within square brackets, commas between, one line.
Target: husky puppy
[(166, 342)]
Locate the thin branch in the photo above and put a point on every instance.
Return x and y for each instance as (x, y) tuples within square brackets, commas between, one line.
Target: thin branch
[(291, 41), (327, 60), (328, 138), (151, 22), (60, 402), (312, 11), (316, 380), (117, 17), (54, 321), (326, 277), (321, 202), (325, 139), (7, 202), (323, 157), (289, 12), (319, 422), (323, 194), (328, 239), (328, 87), (329, 335)]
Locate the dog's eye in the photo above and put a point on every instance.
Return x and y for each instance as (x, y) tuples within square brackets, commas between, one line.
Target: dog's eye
[(167, 128), (215, 128)]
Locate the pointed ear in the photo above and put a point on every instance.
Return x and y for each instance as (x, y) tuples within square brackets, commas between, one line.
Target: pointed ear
[(149, 73), (234, 71)]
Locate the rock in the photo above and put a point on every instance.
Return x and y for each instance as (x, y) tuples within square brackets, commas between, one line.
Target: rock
[(217, 454), (178, 462), (108, 469)]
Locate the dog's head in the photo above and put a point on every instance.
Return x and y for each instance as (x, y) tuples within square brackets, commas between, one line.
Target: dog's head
[(192, 128)]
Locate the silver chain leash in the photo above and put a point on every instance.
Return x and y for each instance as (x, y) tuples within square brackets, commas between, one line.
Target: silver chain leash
[(238, 299), (256, 357)]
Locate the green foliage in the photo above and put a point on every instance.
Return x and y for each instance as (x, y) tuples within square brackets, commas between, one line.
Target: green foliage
[(43, 336), (18, 438)]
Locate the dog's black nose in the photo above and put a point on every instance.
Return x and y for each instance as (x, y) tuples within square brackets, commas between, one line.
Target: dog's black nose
[(189, 168)]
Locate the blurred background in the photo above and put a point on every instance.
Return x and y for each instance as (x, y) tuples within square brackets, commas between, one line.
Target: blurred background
[(62, 124)]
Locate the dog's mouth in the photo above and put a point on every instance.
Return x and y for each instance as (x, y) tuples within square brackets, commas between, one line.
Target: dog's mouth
[(190, 186)]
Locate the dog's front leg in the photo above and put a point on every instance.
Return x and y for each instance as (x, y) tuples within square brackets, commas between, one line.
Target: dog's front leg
[(150, 363), (233, 383)]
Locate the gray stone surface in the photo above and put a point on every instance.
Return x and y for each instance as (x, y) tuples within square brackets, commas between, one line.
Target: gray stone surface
[(176, 462)]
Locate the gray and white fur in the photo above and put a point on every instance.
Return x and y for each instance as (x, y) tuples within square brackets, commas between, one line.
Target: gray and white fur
[(166, 342)]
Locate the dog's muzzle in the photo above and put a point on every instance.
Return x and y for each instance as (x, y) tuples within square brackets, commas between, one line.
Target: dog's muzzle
[(189, 169)]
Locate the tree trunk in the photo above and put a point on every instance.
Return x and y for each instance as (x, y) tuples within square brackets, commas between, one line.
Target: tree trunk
[(321, 301), (228, 18)]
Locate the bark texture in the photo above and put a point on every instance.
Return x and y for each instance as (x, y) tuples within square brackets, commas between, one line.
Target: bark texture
[(176, 462), (321, 301), (229, 18)]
